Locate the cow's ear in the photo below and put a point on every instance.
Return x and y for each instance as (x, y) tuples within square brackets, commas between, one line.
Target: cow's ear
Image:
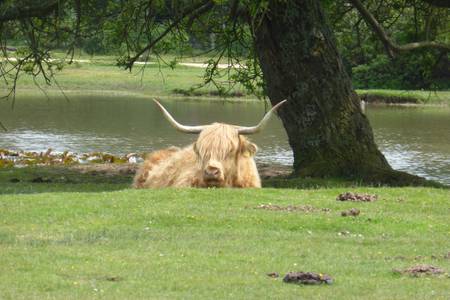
[(252, 148), (195, 148), (248, 149)]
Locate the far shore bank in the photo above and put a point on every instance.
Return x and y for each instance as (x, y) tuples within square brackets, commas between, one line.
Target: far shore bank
[(182, 82), (409, 99)]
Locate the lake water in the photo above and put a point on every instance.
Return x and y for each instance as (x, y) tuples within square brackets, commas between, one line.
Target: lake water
[(416, 140)]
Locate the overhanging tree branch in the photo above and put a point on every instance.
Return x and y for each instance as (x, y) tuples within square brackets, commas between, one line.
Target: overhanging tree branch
[(392, 47), (193, 9)]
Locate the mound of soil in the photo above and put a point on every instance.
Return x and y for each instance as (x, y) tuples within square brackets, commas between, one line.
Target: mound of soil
[(302, 208), (307, 278), (350, 196), (420, 270)]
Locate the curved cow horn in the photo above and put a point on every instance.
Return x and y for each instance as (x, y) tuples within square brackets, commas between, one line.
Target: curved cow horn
[(180, 127), (262, 123)]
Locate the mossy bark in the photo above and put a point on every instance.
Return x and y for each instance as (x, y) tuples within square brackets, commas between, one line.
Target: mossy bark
[(329, 134)]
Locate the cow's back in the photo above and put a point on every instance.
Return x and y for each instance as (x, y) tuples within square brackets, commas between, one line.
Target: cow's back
[(178, 170), (151, 161)]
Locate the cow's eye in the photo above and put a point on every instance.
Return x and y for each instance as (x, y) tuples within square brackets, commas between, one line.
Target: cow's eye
[(231, 154)]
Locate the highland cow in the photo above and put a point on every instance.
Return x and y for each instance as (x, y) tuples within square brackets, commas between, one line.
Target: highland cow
[(220, 157)]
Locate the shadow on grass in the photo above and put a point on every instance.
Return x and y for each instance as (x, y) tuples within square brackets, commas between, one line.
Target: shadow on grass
[(316, 183), (31, 180)]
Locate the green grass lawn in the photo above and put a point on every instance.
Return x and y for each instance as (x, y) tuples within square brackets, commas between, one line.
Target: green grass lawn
[(101, 75), (103, 78), (81, 236)]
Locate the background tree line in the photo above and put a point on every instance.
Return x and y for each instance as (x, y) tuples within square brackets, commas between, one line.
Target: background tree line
[(406, 21)]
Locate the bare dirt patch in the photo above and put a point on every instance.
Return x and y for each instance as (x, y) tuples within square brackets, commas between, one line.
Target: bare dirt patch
[(307, 278), (420, 270), (353, 212), (357, 197), (265, 171), (419, 257), (292, 208), (107, 169)]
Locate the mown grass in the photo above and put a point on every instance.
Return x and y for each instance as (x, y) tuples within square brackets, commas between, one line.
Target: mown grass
[(101, 75), (95, 237), (99, 78)]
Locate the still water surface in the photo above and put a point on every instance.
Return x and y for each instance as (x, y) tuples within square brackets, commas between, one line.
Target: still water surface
[(416, 140)]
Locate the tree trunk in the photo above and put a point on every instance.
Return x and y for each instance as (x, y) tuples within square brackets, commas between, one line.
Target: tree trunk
[(329, 134)]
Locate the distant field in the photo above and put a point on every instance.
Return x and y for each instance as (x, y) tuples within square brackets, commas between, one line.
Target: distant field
[(101, 75), (103, 78), (92, 236)]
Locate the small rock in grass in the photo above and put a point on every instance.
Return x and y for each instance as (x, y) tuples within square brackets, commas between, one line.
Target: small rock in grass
[(307, 278)]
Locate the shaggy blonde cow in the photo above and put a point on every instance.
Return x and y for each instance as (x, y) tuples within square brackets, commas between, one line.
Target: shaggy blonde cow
[(220, 157)]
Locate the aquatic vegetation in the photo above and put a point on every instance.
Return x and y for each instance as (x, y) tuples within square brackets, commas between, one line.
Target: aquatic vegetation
[(10, 158)]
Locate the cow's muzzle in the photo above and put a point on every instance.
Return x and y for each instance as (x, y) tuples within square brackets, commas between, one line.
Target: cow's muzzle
[(213, 174)]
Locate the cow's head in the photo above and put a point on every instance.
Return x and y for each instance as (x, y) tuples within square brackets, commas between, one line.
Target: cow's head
[(220, 148)]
